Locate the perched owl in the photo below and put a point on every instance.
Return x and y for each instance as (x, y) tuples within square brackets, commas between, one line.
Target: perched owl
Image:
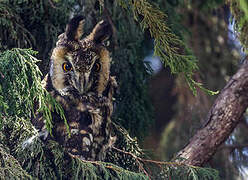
[(79, 79)]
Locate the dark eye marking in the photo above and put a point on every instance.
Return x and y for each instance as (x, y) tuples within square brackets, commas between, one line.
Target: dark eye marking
[(97, 67), (66, 67)]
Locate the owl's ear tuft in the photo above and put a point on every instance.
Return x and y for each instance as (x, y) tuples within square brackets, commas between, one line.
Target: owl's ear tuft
[(101, 32), (74, 30)]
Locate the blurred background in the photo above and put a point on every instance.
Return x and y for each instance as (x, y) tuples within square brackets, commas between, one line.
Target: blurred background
[(156, 107)]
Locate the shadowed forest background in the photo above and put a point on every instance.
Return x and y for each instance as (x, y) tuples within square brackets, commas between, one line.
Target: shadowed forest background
[(154, 102)]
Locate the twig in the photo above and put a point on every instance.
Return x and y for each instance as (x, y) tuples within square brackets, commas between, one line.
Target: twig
[(155, 162), (106, 165), (136, 158)]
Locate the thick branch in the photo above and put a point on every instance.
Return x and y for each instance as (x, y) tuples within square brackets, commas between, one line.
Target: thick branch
[(222, 118)]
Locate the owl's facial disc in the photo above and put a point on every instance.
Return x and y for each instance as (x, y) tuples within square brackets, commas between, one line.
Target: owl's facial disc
[(71, 71), (81, 66)]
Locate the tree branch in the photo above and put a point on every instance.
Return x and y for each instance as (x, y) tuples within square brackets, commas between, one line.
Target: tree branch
[(221, 120)]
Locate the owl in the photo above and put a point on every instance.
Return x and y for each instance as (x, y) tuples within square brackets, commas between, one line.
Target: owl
[(79, 79)]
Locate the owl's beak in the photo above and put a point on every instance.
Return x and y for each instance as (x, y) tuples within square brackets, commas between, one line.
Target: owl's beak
[(81, 82)]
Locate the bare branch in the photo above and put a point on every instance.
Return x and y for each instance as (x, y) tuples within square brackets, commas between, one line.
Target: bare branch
[(222, 118)]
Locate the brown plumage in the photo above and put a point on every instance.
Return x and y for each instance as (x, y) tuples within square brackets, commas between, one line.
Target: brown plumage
[(79, 79)]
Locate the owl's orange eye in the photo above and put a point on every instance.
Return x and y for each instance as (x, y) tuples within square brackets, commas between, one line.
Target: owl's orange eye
[(97, 67), (67, 67)]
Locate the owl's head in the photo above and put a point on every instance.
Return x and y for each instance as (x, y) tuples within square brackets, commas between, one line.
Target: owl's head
[(79, 66)]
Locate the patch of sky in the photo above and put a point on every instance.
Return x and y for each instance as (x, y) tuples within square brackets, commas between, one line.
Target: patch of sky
[(153, 63)]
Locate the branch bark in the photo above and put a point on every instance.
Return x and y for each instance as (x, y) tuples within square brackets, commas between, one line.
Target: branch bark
[(221, 120)]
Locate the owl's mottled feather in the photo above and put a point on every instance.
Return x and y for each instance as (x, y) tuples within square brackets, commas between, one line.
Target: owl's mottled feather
[(79, 79)]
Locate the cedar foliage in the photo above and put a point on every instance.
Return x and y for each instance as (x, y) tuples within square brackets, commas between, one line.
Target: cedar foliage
[(133, 111), (240, 13), (21, 87), (32, 158), (36, 24), (35, 158), (167, 45), (206, 21)]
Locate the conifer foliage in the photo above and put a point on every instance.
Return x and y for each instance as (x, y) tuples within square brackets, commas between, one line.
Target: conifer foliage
[(168, 46), (22, 154), (239, 10)]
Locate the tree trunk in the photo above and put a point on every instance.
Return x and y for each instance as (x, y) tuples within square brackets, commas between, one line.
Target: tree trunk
[(222, 118)]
